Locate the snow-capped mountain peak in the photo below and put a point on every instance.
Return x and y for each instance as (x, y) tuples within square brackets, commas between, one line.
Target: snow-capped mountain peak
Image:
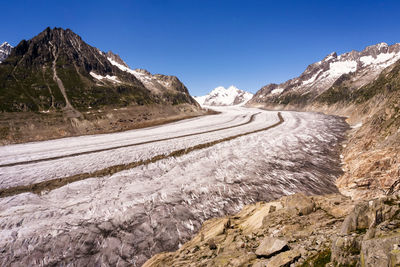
[(222, 96), (364, 66), (5, 50)]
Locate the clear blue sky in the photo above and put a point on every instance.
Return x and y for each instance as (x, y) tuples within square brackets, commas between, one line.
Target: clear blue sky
[(211, 43)]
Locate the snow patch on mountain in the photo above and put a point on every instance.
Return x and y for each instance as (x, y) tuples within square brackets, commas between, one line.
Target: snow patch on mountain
[(150, 81), (221, 96), (5, 50), (107, 77), (277, 91)]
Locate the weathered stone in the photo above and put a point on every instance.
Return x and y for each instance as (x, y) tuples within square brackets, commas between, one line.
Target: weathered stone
[(269, 246), (272, 208), (356, 220), (284, 258), (211, 244), (394, 258), (378, 251), (260, 263), (300, 203), (241, 261), (346, 250)]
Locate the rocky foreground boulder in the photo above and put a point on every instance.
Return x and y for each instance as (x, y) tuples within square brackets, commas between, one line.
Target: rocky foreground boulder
[(297, 230)]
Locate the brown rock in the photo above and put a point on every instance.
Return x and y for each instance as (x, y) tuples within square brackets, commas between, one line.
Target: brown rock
[(284, 259), (211, 244), (272, 208), (394, 258), (379, 251), (300, 203), (356, 220), (269, 246)]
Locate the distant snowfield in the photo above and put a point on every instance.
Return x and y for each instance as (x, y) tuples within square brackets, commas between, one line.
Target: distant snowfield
[(127, 217), (220, 96)]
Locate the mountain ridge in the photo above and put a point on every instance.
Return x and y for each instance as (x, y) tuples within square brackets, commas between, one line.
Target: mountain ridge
[(221, 96), (57, 75), (356, 67), (369, 98)]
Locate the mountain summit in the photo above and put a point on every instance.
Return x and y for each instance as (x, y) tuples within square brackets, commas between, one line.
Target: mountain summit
[(222, 96), (5, 50)]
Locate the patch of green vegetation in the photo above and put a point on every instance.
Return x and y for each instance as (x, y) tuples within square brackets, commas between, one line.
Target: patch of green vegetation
[(386, 82), (353, 264), (319, 260), (4, 132), (389, 202), (334, 95), (361, 232), (83, 93), (292, 98), (24, 89), (354, 250), (175, 98)]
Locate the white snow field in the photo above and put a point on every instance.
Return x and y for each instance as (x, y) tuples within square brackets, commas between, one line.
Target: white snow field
[(125, 218)]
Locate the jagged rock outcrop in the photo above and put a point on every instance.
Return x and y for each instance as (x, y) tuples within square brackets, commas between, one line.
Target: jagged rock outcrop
[(363, 233), (220, 96), (5, 51)]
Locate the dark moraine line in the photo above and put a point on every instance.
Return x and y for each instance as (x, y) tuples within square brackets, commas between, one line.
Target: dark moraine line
[(59, 182), (251, 119)]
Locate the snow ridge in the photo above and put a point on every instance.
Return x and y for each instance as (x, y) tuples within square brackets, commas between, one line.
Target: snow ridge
[(150, 81)]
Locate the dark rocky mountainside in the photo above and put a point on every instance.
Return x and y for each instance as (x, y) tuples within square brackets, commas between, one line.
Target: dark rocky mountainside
[(58, 70), (57, 80)]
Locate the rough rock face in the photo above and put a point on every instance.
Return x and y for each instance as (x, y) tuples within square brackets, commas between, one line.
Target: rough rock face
[(5, 51), (336, 232), (357, 68), (116, 58), (225, 97), (371, 154)]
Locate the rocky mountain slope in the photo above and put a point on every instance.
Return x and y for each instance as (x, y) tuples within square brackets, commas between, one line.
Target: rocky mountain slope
[(5, 50), (369, 97), (62, 81), (221, 96), (297, 230), (355, 69)]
